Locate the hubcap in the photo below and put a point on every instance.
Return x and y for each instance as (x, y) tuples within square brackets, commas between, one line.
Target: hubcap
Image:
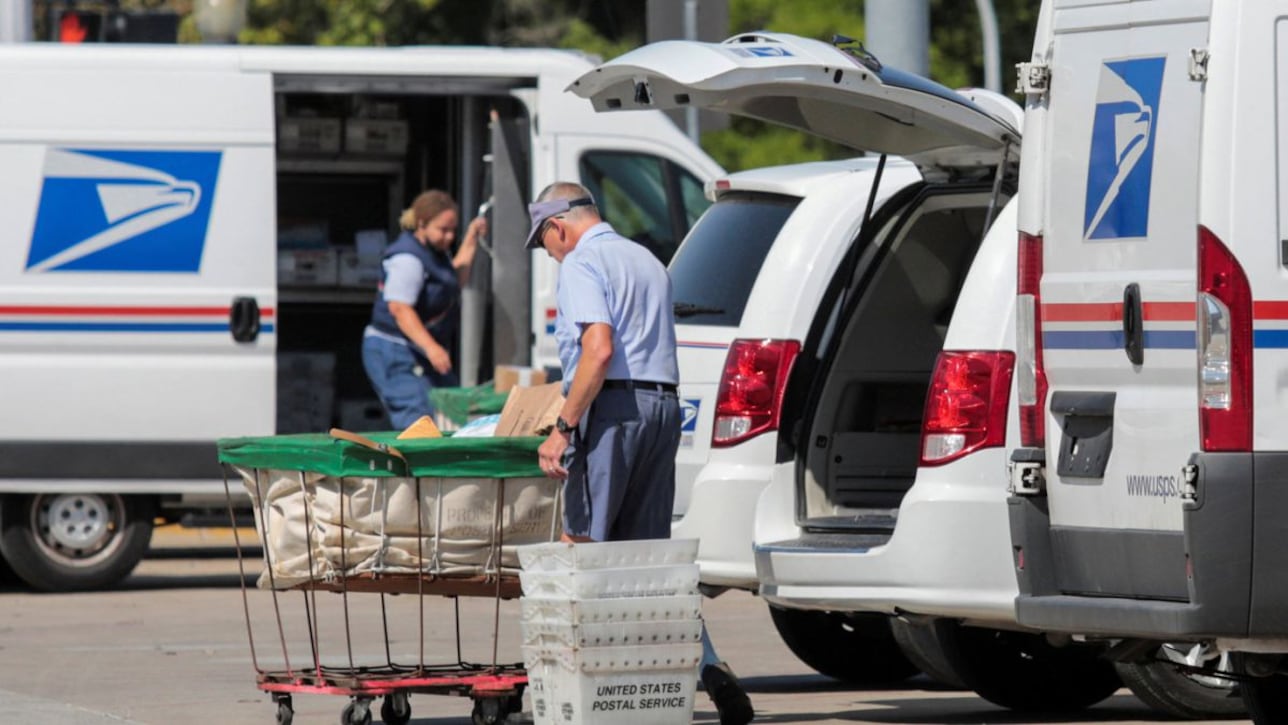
[(77, 526)]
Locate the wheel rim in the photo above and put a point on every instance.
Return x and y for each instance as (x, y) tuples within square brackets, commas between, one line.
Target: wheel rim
[(1192, 658), (78, 530)]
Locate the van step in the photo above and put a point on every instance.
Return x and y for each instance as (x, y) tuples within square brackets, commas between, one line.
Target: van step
[(831, 543)]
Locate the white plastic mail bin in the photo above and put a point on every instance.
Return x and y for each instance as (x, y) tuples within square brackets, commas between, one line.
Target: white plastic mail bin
[(612, 634), (645, 581), (648, 685), (596, 611), (608, 555)]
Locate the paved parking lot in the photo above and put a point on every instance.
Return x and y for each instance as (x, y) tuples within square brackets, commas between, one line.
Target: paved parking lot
[(171, 646)]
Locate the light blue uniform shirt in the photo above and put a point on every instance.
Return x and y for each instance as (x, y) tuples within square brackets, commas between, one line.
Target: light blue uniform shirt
[(611, 279)]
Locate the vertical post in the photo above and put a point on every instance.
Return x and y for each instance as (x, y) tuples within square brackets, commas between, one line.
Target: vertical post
[(898, 33), (992, 52), (691, 33), (702, 20), (15, 21), (473, 303)]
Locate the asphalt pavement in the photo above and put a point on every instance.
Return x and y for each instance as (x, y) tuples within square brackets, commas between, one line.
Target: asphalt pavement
[(171, 644)]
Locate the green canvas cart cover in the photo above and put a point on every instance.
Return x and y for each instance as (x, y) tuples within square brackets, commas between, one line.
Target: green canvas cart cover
[(436, 457)]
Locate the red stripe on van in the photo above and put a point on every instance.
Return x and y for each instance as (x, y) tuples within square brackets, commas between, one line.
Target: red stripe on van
[(1080, 312), (1169, 311), (1113, 312), (1270, 310), (55, 310)]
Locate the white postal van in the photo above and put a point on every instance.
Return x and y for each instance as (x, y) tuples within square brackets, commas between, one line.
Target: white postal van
[(812, 302), (1149, 496), (190, 245)]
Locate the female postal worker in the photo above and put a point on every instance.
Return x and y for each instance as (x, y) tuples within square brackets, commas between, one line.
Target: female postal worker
[(405, 347)]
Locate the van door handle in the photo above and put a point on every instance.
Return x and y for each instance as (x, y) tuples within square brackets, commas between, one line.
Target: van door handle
[(243, 319), (1133, 325)]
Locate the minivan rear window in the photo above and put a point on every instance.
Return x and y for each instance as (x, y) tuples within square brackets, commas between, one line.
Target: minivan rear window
[(713, 271)]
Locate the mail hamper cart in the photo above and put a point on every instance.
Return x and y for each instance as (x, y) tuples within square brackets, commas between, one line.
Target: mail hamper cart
[(347, 524)]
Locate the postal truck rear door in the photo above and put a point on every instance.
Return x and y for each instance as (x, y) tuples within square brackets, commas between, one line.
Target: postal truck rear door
[(137, 262)]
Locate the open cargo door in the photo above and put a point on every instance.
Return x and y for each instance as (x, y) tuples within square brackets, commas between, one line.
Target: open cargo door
[(511, 263)]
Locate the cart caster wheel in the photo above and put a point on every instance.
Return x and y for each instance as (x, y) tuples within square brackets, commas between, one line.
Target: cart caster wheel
[(285, 713), (395, 710), (490, 711), (357, 712)]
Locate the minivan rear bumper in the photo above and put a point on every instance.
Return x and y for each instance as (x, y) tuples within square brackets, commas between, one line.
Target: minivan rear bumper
[(948, 554), (721, 511), (1234, 559)]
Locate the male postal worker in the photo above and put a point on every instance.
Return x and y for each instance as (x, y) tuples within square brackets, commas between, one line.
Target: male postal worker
[(616, 437)]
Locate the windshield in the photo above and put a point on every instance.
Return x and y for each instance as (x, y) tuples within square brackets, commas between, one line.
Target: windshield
[(714, 269)]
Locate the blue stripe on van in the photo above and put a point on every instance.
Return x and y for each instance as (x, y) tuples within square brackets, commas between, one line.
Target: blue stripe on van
[(1113, 340), (120, 327), (1270, 338)]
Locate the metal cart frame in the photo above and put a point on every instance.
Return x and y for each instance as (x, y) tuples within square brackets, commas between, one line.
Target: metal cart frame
[(496, 688)]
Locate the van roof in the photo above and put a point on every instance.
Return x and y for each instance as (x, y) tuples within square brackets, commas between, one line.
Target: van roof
[(801, 179), (399, 61)]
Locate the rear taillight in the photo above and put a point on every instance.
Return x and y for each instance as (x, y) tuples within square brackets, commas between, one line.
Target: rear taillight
[(750, 399), (1225, 348), (1030, 376), (966, 404)]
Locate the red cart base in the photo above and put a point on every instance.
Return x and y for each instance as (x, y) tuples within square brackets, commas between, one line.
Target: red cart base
[(496, 692)]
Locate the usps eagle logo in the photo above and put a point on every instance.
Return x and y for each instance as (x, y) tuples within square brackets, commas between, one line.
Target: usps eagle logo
[(123, 211), (1120, 170), (689, 414)]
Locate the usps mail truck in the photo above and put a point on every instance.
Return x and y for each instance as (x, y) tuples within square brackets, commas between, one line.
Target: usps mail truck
[(1150, 495), (190, 244)]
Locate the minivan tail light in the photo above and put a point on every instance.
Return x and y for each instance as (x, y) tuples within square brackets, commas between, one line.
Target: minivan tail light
[(1224, 348), (750, 398), (1031, 383), (966, 404)]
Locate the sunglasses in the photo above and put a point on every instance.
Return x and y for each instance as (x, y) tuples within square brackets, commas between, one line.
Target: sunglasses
[(545, 227)]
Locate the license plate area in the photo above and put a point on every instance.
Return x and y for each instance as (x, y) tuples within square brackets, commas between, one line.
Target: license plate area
[(1087, 433)]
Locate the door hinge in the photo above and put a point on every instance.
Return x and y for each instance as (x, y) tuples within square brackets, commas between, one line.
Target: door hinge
[(1190, 482), (1198, 64), (1032, 78), (1027, 478)]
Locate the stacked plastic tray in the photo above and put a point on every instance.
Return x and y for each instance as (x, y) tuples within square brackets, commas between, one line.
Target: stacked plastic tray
[(611, 631)]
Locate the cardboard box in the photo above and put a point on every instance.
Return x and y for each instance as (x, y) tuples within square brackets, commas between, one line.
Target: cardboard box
[(506, 377), (531, 411)]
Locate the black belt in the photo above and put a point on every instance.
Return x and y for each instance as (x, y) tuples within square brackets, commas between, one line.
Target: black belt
[(638, 385)]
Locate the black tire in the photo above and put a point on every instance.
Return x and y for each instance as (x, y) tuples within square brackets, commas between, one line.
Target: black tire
[(285, 714), (356, 714), (854, 648), (1265, 697), (1024, 671), (395, 709), (489, 711), (1180, 694), (100, 539), (922, 649)]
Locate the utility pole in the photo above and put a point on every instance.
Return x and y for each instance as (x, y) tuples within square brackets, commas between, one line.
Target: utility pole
[(704, 20), (15, 21), (898, 33), (992, 52)]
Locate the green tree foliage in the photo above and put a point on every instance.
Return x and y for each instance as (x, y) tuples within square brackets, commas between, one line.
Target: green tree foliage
[(957, 45)]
